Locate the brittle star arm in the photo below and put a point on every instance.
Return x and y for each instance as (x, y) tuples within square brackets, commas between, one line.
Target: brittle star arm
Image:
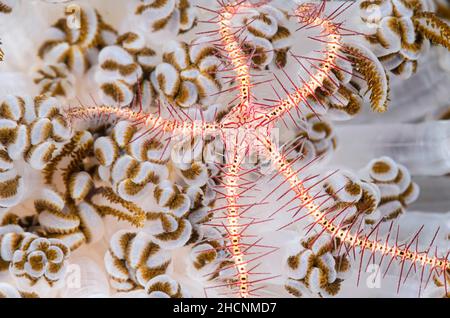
[(238, 59), (354, 240), (148, 121), (231, 183), (317, 78)]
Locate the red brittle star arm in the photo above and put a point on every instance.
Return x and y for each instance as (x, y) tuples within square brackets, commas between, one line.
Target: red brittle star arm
[(317, 78), (148, 121), (231, 183), (354, 240), (237, 57)]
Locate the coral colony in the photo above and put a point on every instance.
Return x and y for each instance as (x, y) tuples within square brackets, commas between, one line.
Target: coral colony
[(192, 148)]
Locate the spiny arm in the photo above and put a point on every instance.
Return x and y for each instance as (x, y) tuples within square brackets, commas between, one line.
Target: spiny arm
[(363, 242)]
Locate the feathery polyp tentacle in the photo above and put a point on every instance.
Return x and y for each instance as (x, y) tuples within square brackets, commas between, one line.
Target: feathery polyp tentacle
[(333, 44), (433, 28), (373, 73)]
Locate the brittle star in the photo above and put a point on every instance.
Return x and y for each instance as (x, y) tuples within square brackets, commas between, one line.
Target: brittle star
[(247, 126)]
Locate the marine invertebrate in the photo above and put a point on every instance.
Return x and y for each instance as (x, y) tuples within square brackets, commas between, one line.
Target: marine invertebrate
[(163, 286), (39, 259), (174, 15), (73, 224), (129, 167), (189, 74), (178, 198), (133, 260), (396, 188), (267, 39), (32, 128), (36, 263), (9, 291), (6, 6), (71, 46), (439, 289), (442, 9), (313, 137), (55, 80), (209, 257), (400, 31), (360, 199), (122, 66), (122, 174), (239, 147), (313, 266), (170, 227), (32, 131)]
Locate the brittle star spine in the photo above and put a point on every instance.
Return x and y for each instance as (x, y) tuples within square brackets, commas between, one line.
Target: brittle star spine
[(244, 110), (363, 242), (237, 57), (231, 183), (244, 115), (303, 92), (149, 121)]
